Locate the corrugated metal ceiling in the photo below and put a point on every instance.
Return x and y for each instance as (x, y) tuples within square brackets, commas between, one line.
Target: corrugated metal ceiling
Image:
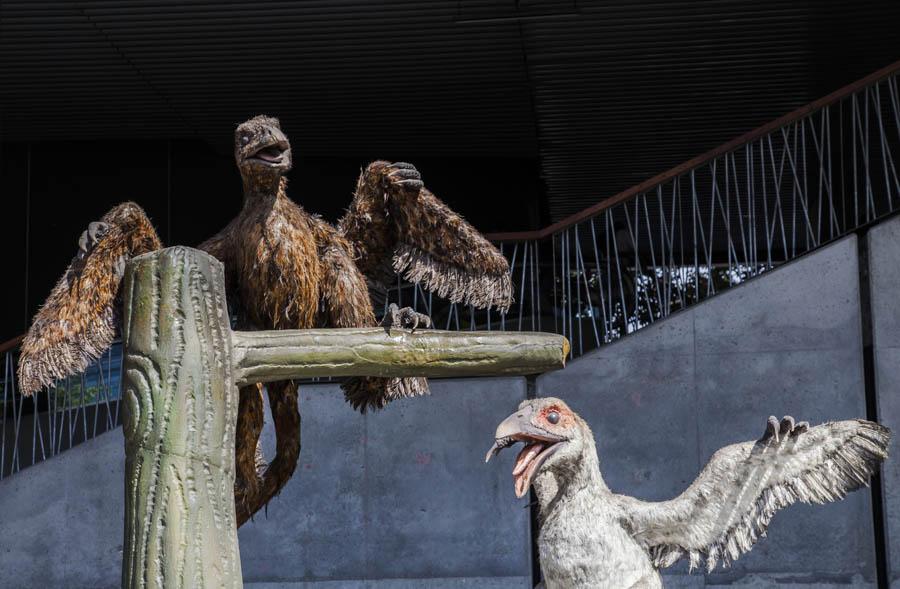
[(605, 94)]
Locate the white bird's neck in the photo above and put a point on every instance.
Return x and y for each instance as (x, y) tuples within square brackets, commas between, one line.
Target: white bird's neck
[(563, 482)]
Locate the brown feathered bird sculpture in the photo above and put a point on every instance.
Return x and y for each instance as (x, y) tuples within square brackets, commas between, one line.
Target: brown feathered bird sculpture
[(284, 269), (593, 538)]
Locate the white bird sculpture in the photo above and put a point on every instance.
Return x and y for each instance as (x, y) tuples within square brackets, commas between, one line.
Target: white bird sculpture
[(592, 537)]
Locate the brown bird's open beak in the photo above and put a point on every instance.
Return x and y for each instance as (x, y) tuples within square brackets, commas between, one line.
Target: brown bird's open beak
[(539, 445)]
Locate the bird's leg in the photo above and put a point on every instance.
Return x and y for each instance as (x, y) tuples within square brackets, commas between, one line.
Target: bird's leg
[(249, 426), (286, 417), (405, 318), (777, 431)]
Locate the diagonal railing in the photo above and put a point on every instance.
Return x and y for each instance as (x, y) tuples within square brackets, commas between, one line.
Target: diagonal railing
[(812, 176)]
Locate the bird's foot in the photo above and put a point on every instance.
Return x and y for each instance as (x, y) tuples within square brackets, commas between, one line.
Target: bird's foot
[(404, 176), (405, 318), (777, 431), (90, 236)]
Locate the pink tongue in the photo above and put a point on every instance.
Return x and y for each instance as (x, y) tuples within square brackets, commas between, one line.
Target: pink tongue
[(269, 158), (526, 456)]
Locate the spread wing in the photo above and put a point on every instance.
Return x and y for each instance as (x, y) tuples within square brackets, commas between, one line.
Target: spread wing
[(725, 511), (77, 323), (395, 223)]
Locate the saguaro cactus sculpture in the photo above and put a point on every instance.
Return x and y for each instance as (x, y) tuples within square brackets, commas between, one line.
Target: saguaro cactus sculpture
[(182, 367)]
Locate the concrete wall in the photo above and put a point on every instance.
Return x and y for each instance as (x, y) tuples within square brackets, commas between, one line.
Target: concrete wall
[(396, 499), (402, 499), (661, 402), (884, 278)]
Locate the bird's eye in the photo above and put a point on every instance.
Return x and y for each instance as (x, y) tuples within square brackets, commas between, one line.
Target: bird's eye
[(245, 139), (553, 417)]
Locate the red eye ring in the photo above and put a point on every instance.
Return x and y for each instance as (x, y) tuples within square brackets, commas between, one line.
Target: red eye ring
[(553, 417)]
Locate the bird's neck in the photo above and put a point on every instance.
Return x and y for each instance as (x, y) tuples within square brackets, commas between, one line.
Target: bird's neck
[(575, 478), (263, 189)]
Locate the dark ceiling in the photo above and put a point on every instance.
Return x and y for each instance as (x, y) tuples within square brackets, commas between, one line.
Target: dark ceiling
[(601, 94)]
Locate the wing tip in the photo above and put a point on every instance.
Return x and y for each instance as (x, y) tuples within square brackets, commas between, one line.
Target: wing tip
[(480, 289)]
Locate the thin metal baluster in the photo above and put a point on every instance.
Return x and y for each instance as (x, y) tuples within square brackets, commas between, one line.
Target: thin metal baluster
[(108, 389), (569, 290), (886, 156), (670, 236), (654, 266), (680, 228), (811, 235), (562, 285), (578, 308), (532, 283), (728, 215), (17, 426), (827, 142), (3, 432), (38, 430), (794, 185), (820, 155), (555, 278), (121, 381), (537, 295), (740, 209), (751, 211), (606, 336), (609, 293), (765, 203), (610, 226), (83, 407), (853, 144), (864, 147), (694, 214), (579, 260), (777, 175), (870, 193), (53, 419), (634, 235), (707, 242), (522, 285), (64, 413), (531, 245)]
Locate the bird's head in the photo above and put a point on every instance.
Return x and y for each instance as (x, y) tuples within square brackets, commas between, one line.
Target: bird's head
[(555, 438), (261, 149)]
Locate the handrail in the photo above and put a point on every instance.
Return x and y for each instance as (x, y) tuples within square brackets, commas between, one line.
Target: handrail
[(11, 343), (727, 147)]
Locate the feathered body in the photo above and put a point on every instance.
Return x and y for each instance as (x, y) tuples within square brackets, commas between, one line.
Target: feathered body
[(284, 269), (593, 538)]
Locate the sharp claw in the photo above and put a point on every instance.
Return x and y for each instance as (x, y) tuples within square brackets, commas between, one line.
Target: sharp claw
[(801, 427), (402, 166), (787, 425), (771, 429)]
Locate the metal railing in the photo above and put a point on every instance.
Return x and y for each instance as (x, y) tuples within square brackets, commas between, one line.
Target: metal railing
[(763, 199), (57, 418)]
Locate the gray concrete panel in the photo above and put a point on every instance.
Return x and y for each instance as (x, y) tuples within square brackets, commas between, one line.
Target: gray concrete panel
[(884, 282), (810, 303)]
